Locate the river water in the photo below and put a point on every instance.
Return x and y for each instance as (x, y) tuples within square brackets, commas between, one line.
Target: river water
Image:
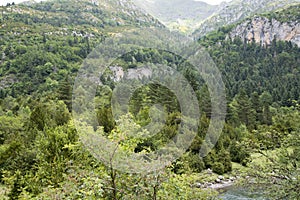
[(237, 193)]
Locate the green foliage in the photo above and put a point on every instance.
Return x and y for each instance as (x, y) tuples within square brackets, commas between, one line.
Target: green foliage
[(179, 187), (218, 168), (282, 164), (290, 13), (46, 44), (78, 184), (239, 153), (41, 157), (250, 68), (50, 114)]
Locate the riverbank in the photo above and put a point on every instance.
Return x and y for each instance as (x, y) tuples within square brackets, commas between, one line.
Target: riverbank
[(210, 180), (216, 183)]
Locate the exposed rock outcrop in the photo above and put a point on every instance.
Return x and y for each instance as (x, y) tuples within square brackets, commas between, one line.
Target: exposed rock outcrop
[(237, 10), (134, 73), (263, 30)]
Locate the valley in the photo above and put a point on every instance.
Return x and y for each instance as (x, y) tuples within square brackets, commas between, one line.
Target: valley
[(99, 98)]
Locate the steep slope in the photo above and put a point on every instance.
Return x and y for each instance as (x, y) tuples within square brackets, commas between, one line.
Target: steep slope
[(260, 55), (94, 12), (281, 25), (182, 15), (238, 10), (42, 157), (42, 43)]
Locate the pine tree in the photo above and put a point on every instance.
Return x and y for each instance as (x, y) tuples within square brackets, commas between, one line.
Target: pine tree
[(65, 92)]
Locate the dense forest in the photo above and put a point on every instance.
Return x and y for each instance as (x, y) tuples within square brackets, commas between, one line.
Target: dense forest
[(42, 48)]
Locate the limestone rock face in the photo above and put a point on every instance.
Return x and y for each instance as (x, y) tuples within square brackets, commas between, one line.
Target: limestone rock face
[(263, 30), (238, 10)]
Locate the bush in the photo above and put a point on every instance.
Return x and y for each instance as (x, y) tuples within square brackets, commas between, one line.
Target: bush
[(196, 163), (218, 168)]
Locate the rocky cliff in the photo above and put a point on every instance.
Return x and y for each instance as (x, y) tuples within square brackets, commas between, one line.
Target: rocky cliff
[(238, 10), (263, 30)]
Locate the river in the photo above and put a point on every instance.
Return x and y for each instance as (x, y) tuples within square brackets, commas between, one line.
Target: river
[(238, 193)]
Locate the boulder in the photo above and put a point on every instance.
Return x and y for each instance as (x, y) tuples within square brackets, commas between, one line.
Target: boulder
[(209, 171), (198, 185), (218, 180), (209, 184)]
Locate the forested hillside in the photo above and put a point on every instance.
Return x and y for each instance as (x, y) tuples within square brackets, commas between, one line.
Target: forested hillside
[(42, 47), (45, 42), (185, 15), (238, 10)]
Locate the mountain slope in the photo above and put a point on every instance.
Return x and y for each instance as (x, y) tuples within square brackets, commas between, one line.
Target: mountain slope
[(200, 18), (42, 46), (42, 43), (238, 10), (96, 13), (183, 15), (260, 55), (281, 25)]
